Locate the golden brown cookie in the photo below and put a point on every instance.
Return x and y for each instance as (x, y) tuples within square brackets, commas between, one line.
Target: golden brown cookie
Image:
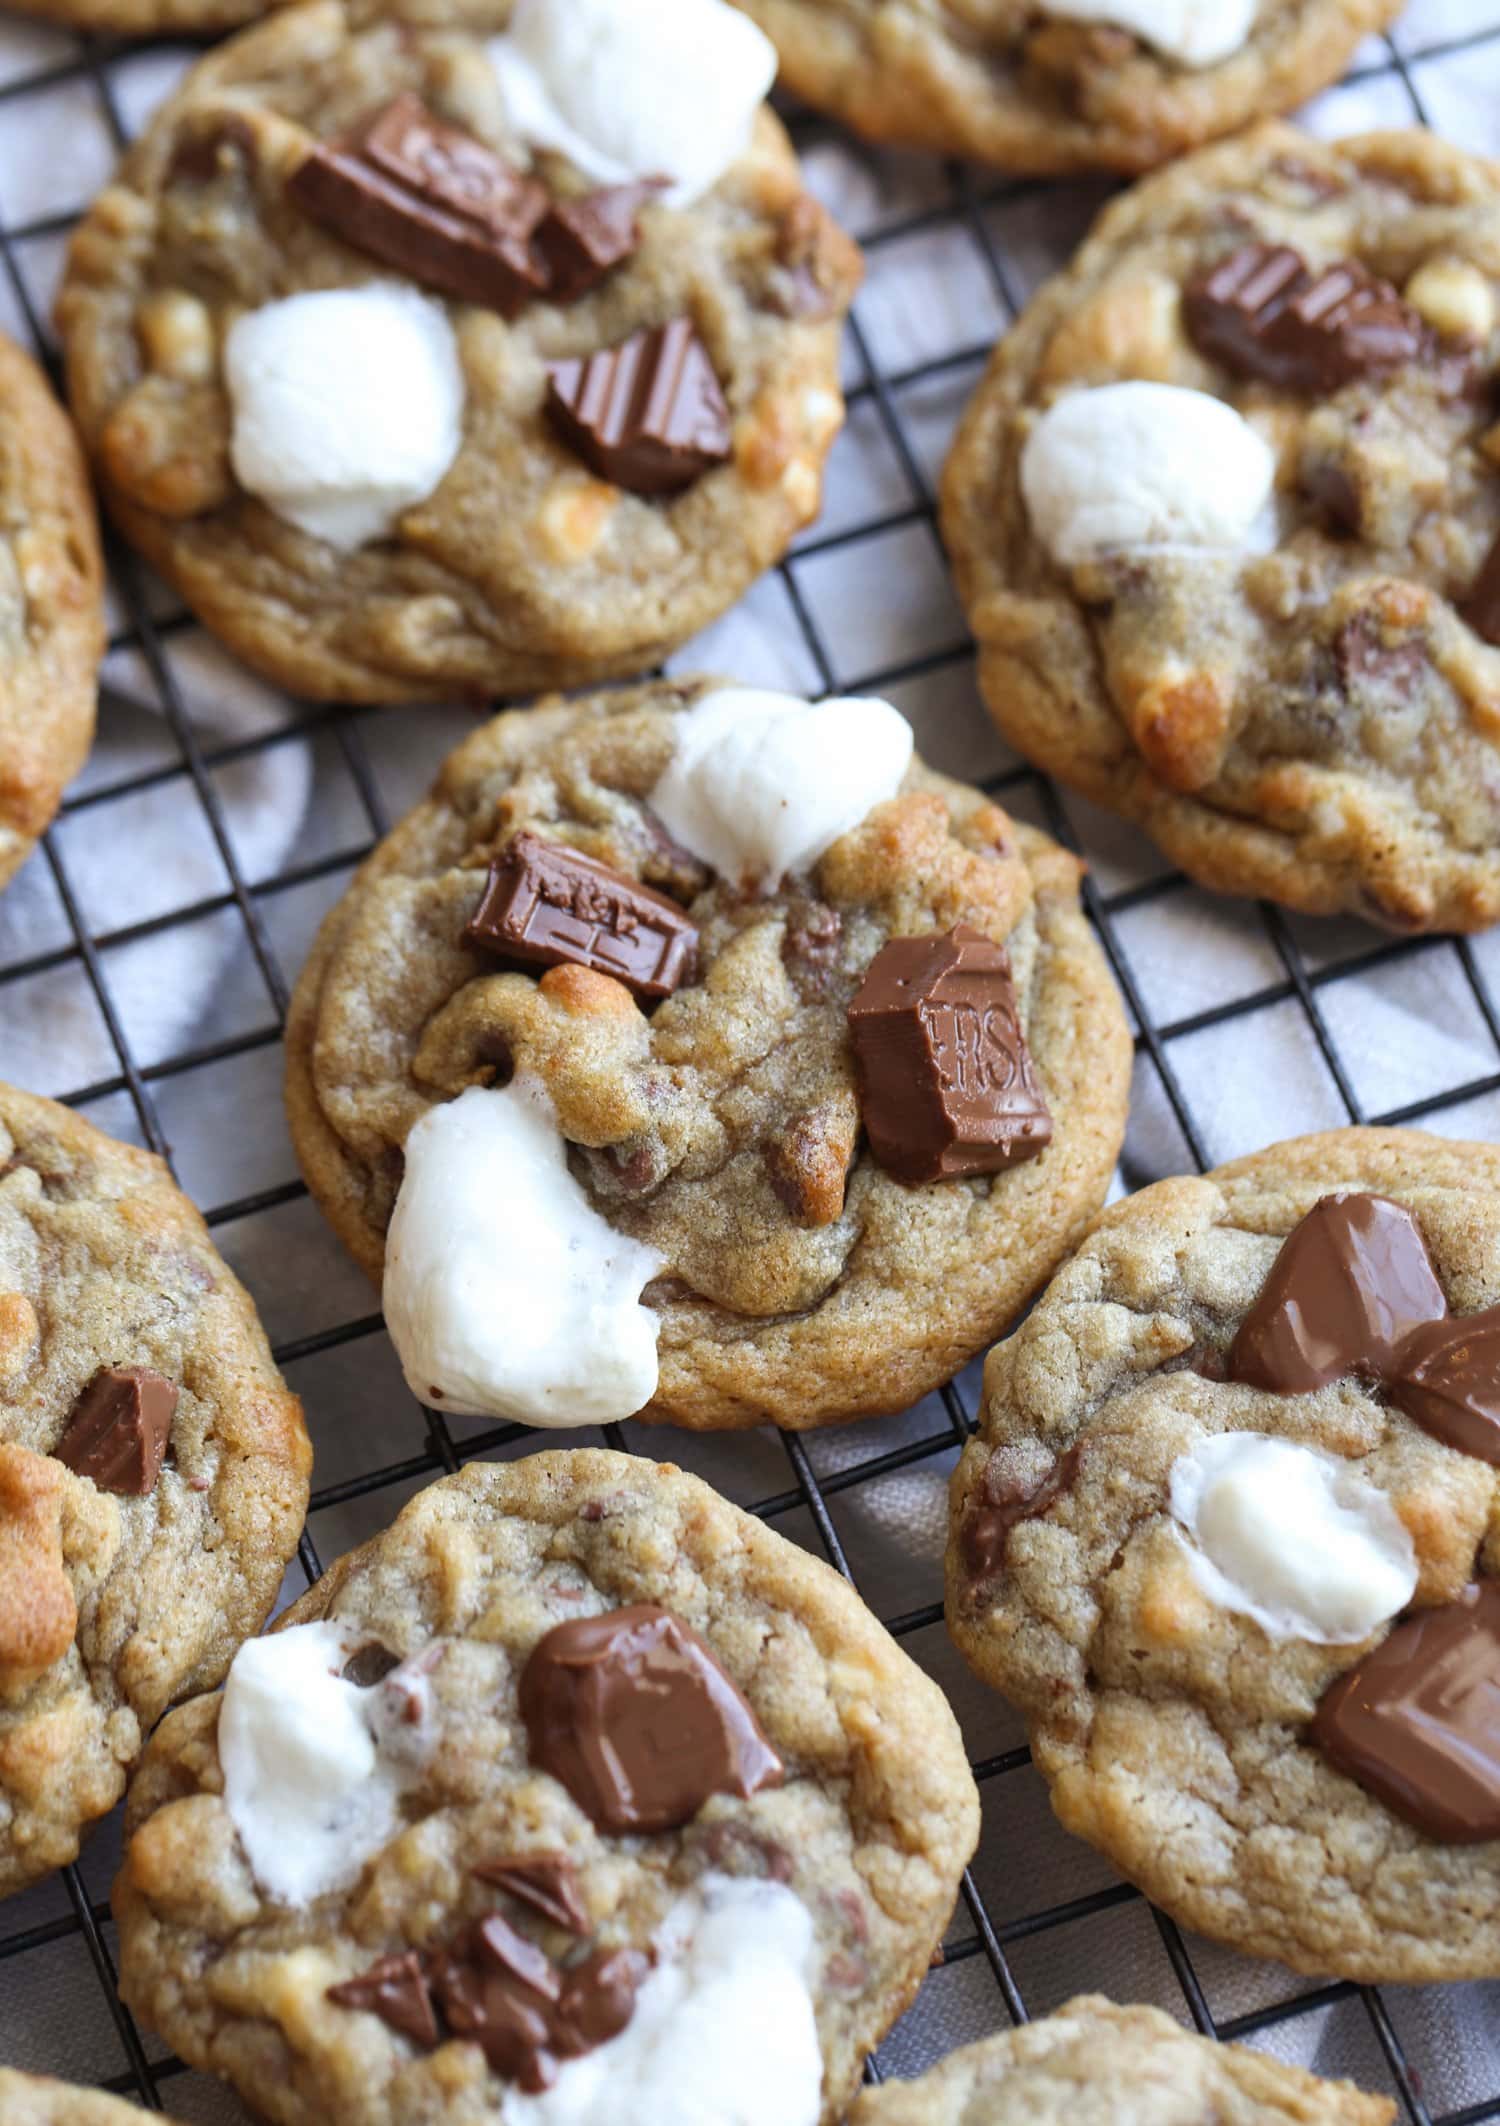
[(1223, 1478), (51, 607), (36, 2100), (1299, 701), (153, 1471)]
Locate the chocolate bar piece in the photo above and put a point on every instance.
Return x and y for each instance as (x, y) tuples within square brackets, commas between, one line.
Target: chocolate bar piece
[(548, 903), (647, 415), (580, 240), (1447, 1379), (1262, 313), (118, 1432)]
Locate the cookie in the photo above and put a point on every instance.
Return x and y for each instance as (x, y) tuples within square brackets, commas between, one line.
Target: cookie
[(1227, 1537), (695, 1053), (1067, 85), (146, 18), (51, 605), (597, 320), (153, 1471), (575, 1791), (1222, 511), (1093, 2064), (36, 2100)]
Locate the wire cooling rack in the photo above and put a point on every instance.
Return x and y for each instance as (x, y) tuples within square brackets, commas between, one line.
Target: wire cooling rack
[(147, 954)]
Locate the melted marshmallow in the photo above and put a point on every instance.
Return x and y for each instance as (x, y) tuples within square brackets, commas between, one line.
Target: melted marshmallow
[(723, 2032), (506, 1294), (761, 784), (312, 1768), (1194, 32), (348, 407), (636, 88), (1293, 1537), (1119, 466)]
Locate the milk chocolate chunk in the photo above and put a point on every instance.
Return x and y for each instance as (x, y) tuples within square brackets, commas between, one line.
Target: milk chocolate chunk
[(1447, 1380), (1351, 1282), (431, 200), (547, 903), (546, 1882), (635, 1717), (118, 1432), (946, 1082), (484, 2000), (1417, 1722), (579, 241), (1481, 607), (1005, 1501), (396, 1990), (1263, 313), (648, 415)]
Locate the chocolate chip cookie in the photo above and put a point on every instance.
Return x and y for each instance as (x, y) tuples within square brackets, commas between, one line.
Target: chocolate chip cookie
[(1227, 1537), (693, 1052), (596, 316), (153, 1471), (578, 1794), (51, 607), (1093, 2064), (36, 2100), (1067, 85), (1224, 511)]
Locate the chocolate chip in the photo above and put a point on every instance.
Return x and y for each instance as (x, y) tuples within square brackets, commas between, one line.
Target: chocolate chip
[(369, 1665), (1366, 657), (946, 1081), (1263, 313), (579, 241), (1005, 1500), (1481, 605), (118, 1432), (648, 415), (396, 1990), (547, 1882), (550, 904), (1446, 1378)]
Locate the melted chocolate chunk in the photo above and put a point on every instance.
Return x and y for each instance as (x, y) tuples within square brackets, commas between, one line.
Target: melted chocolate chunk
[(635, 1717), (1351, 1281), (945, 1078), (1447, 1380), (1004, 1502), (548, 903), (396, 1990), (648, 415), (369, 1665), (579, 241), (1481, 607), (1263, 313), (1367, 657), (547, 1882), (1417, 1722), (119, 1429)]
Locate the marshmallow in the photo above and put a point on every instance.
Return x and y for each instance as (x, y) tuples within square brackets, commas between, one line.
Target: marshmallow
[(1121, 466), (1194, 32), (723, 2032), (348, 407), (636, 88), (761, 784), (1295, 1538), (506, 1294)]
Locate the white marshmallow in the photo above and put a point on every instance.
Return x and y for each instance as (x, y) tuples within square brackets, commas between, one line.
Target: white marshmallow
[(1194, 32), (761, 784), (636, 88), (723, 2032), (1118, 466), (506, 1294), (348, 407), (1295, 1538)]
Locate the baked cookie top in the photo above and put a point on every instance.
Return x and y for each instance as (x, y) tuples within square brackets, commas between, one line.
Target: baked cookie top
[(1091, 2063), (1223, 511), (650, 1774), (36, 2100), (153, 1470), (51, 606), (730, 1203), (1228, 1537), (597, 319), (1069, 84)]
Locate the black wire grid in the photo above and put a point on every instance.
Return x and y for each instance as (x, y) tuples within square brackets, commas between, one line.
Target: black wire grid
[(963, 204)]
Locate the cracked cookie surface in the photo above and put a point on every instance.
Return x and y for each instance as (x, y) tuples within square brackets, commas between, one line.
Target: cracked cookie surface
[(802, 1283), (1174, 1732), (1318, 722), (117, 1604), (870, 1827)]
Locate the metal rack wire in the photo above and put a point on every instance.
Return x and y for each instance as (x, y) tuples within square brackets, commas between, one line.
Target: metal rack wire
[(821, 1476)]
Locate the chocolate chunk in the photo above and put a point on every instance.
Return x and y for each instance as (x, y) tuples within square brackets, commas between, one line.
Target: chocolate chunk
[(1417, 1722), (547, 1882), (1004, 1502), (496, 1946), (548, 903), (1263, 313), (118, 1432), (648, 415), (508, 2019), (635, 1717), (1481, 606), (431, 200), (1351, 1281), (945, 1079), (1367, 655), (598, 2000), (580, 240), (1447, 1380), (369, 1665), (396, 1990)]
